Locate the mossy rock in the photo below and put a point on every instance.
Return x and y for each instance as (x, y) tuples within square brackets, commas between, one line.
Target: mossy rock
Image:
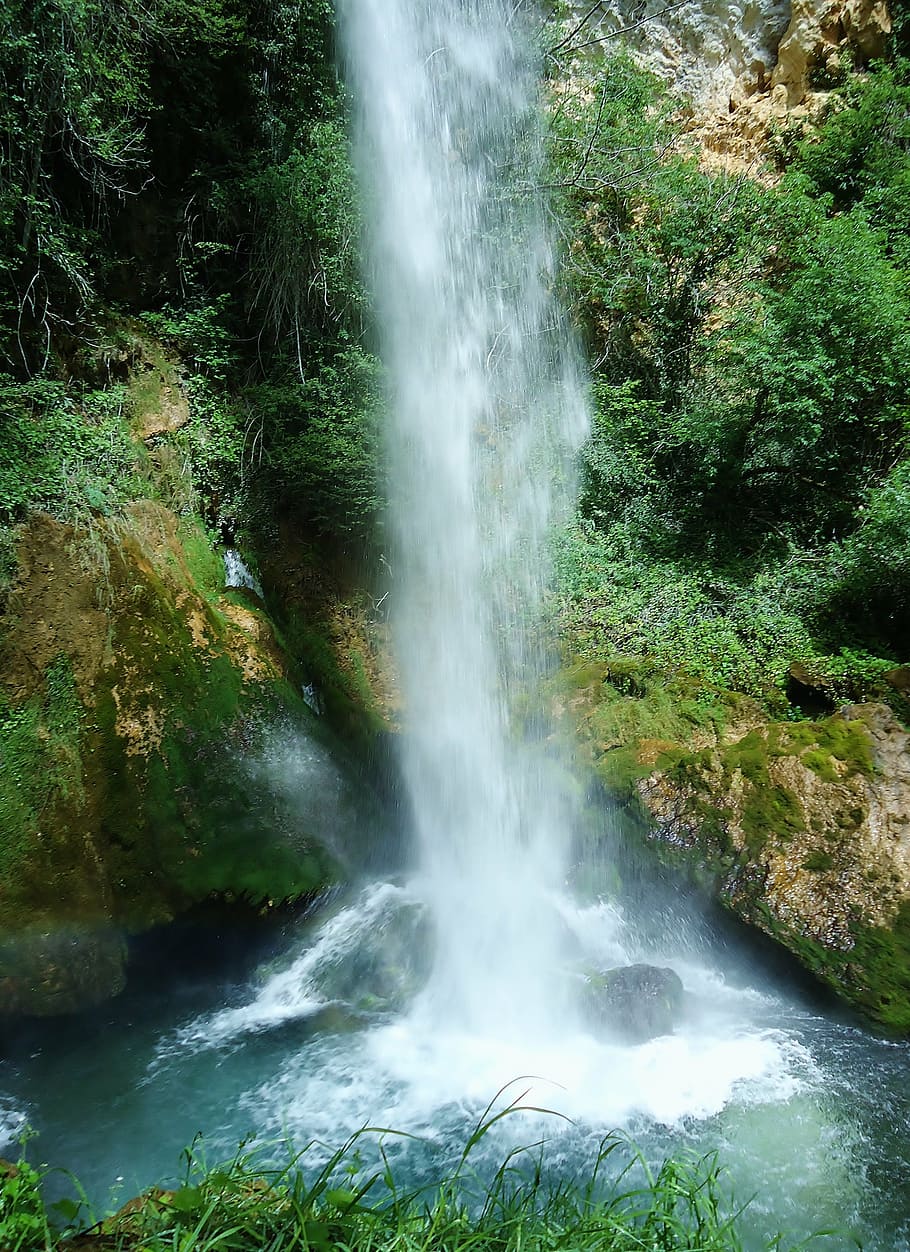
[(125, 785), (871, 971), (57, 969)]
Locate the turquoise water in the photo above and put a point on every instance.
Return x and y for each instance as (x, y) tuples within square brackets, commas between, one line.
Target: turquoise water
[(314, 1033)]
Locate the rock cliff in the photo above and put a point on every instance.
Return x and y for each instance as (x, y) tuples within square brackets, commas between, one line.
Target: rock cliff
[(800, 828), (719, 53), (744, 67)]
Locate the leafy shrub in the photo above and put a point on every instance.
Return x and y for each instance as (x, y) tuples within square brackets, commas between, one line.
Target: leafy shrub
[(24, 1225), (320, 443), (726, 630), (67, 456)]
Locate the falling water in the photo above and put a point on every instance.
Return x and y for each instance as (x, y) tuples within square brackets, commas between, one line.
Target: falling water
[(333, 1034), (487, 411)]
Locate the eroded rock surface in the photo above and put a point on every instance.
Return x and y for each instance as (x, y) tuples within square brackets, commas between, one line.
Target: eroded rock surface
[(133, 692), (804, 830), (745, 67)]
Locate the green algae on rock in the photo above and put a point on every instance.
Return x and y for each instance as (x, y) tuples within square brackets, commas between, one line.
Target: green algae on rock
[(803, 830), (131, 697), (800, 828)]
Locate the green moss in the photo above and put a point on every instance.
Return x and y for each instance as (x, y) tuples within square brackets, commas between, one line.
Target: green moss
[(770, 809), (818, 861), (179, 818), (204, 562), (820, 744), (636, 721), (820, 763), (873, 975), (40, 761), (349, 703), (750, 757), (155, 376), (579, 675), (620, 768), (182, 821), (879, 971), (849, 743)]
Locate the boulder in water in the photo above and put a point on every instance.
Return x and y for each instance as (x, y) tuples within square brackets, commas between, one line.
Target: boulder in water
[(636, 1002)]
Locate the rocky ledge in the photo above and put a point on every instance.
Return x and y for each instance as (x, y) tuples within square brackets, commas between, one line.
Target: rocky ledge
[(136, 698), (803, 829)]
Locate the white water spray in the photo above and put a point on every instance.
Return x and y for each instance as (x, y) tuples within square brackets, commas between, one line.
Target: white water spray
[(487, 413)]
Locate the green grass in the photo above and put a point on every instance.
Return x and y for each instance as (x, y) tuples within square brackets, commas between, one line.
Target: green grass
[(248, 1205)]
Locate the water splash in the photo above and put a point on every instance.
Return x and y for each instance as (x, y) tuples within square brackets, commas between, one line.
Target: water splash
[(487, 412), (238, 574)]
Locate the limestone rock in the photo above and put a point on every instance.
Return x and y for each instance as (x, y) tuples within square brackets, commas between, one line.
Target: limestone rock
[(742, 66), (707, 51), (818, 30), (804, 831), (128, 781)]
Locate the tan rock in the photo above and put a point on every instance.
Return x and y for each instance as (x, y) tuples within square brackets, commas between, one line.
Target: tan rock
[(818, 30), (811, 820)]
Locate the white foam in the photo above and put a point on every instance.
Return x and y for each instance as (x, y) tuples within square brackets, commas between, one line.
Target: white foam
[(12, 1121), (296, 990), (409, 1074), (406, 1071)]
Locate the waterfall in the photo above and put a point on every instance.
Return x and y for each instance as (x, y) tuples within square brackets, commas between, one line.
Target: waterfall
[(487, 411)]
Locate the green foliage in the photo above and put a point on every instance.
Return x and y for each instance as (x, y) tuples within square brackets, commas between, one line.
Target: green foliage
[(870, 574), (305, 263), (197, 329), (726, 628), (188, 160), (24, 1224), (860, 154), (655, 244), (246, 1205), (744, 497), (66, 455), (320, 442), (72, 83), (805, 384)]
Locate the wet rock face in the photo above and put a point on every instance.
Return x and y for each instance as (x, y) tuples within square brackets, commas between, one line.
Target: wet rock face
[(634, 1002), (803, 830), (64, 970), (132, 701)]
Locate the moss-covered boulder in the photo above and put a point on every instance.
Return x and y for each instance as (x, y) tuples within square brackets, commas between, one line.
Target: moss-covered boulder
[(801, 828), (804, 831), (137, 702)]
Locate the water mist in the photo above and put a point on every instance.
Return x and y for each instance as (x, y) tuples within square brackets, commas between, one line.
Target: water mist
[(486, 414)]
